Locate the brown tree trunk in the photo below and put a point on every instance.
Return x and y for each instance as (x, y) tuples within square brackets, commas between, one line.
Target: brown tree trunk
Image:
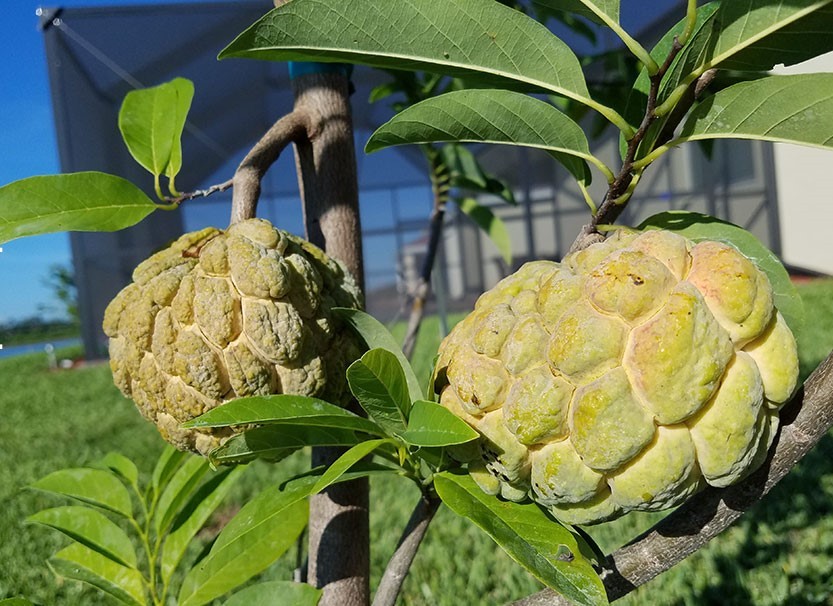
[(339, 550)]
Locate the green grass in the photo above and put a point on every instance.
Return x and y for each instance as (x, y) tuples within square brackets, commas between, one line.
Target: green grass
[(781, 553)]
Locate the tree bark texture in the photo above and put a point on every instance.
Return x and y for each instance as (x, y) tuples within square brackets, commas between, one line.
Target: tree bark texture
[(804, 421), (339, 551)]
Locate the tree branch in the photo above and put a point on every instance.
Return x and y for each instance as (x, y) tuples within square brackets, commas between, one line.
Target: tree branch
[(248, 176), (403, 557), (615, 200), (339, 527), (419, 295), (805, 420), (200, 193)]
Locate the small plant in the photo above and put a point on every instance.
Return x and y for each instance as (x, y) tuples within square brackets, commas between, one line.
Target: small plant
[(130, 535)]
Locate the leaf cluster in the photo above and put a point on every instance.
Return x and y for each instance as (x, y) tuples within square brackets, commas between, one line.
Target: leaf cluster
[(132, 538), (507, 53)]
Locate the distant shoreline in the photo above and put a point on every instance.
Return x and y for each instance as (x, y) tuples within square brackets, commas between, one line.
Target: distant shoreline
[(9, 351)]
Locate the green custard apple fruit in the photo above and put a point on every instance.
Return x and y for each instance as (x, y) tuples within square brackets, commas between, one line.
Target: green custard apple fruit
[(225, 314), (624, 378)]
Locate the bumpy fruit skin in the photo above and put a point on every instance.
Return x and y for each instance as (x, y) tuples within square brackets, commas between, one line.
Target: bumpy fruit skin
[(624, 378), (226, 314)]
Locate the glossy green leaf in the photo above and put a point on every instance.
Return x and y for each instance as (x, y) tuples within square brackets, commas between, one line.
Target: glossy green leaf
[(89, 201), (92, 486), (193, 517), (541, 545), (491, 116), (90, 528), (122, 467), (185, 94), (169, 461), (457, 37), (785, 109), (491, 225), (698, 227), (378, 382), (276, 442), (285, 593), (16, 602), (182, 484), (283, 409), (258, 535), (432, 425), (376, 336), (151, 121), (345, 462), (79, 563)]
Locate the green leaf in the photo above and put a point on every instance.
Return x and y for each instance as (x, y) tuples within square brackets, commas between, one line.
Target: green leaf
[(479, 39), (92, 529), (285, 593), (697, 227), (16, 602), (276, 442), (376, 336), (193, 517), (284, 409), (88, 201), (752, 35), (815, 31), (346, 461), (465, 172), (491, 116), (378, 382), (755, 26), (151, 121), (166, 466), (605, 12), (541, 545), (493, 226), (92, 486), (432, 425), (185, 94), (258, 535), (786, 109), (79, 563), (176, 493), (599, 11), (122, 467)]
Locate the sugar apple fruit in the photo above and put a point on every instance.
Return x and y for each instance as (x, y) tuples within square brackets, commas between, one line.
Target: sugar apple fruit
[(225, 314), (623, 378)]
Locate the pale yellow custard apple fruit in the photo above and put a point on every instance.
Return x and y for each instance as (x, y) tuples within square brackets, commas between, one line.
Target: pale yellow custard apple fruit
[(624, 378), (225, 314)]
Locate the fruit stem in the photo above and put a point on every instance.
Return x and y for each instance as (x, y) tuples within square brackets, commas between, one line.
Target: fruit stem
[(295, 126)]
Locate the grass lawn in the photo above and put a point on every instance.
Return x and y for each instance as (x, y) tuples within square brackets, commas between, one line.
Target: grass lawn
[(782, 553)]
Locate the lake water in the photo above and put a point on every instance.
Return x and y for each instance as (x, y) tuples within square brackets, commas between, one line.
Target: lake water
[(16, 350)]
